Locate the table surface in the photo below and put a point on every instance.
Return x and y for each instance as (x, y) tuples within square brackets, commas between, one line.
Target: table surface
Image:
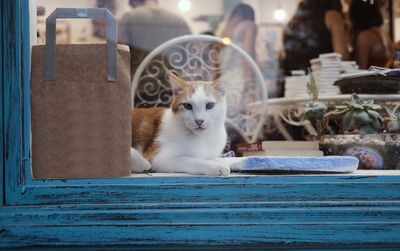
[(377, 97), (357, 173)]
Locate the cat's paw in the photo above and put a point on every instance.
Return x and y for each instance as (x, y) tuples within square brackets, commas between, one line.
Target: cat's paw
[(138, 163), (220, 168), (223, 170), (140, 166)]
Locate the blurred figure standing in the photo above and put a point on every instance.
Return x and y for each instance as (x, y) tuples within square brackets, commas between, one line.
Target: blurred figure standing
[(146, 27), (317, 27), (371, 45), (240, 28)]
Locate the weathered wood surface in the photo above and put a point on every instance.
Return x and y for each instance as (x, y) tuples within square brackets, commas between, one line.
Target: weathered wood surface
[(301, 210), (208, 223), (203, 189), (15, 88), (1, 112)]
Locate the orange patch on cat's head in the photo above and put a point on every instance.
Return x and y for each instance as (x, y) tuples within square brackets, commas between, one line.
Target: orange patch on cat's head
[(216, 88), (183, 90)]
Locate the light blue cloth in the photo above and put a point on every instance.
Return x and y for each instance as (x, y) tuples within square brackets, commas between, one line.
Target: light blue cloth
[(339, 164)]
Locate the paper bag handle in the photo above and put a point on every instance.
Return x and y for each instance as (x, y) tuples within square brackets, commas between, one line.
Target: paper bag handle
[(111, 38)]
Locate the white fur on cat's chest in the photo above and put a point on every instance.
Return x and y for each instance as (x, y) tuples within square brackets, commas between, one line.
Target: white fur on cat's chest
[(173, 141)]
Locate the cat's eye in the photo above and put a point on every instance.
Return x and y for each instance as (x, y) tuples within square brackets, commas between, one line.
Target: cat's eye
[(210, 105), (187, 106)]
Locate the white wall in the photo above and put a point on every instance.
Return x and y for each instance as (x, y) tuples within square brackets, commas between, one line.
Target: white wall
[(264, 9), (81, 29), (33, 21), (198, 8)]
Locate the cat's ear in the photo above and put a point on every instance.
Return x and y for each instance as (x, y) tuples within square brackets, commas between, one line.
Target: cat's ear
[(177, 84), (219, 85)]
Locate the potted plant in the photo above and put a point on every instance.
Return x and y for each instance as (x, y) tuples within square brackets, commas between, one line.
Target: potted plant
[(313, 110), (360, 115), (367, 135)]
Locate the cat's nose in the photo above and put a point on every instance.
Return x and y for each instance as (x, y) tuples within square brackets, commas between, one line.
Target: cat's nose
[(199, 122)]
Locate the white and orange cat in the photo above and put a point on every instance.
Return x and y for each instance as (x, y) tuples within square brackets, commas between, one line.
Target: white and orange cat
[(186, 138)]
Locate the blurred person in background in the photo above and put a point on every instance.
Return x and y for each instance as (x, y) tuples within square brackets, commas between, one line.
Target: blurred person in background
[(147, 26), (239, 27), (371, 45), (317, 27)]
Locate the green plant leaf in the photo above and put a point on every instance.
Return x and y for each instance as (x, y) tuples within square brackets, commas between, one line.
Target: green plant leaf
[(389, 112), (375, 115), (369, 102), (336, 112), (311, 86), (361, 116), (397, 109), (354, 97), (377, 125), (341, 107), (349, 123), (393, 126), (376, 107), (367, 129), (357, 106)]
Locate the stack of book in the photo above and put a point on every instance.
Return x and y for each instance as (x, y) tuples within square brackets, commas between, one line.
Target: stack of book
[(296, 85), (326, 70), (280, 148), (348, 67)]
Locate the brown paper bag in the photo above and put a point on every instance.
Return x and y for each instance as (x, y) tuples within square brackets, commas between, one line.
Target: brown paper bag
[(81, 122)]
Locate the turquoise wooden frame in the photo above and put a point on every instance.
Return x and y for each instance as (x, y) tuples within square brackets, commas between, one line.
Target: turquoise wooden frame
[(345, 211)]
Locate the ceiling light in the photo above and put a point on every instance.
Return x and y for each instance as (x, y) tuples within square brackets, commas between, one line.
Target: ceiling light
[(280, 14), (184, 5), (226, 40)]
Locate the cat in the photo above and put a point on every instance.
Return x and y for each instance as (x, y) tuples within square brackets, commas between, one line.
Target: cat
[(188, 137)]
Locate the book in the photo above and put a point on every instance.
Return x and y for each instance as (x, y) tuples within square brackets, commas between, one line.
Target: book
[(249, 147), (253, 153), (306, 153), (280, 148), (290, 145)]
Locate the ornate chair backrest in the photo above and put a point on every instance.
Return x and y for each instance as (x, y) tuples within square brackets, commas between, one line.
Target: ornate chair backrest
[(203, 57)]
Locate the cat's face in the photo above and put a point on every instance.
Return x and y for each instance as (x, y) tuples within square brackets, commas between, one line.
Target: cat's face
[(199, 105)]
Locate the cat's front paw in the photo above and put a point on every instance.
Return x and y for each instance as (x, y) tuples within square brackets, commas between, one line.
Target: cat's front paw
[(223, 167), (220, 168), (223, 170), (138, 163)]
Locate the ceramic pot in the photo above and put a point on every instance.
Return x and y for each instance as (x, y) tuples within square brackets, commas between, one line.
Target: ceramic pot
[(374, 151)]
